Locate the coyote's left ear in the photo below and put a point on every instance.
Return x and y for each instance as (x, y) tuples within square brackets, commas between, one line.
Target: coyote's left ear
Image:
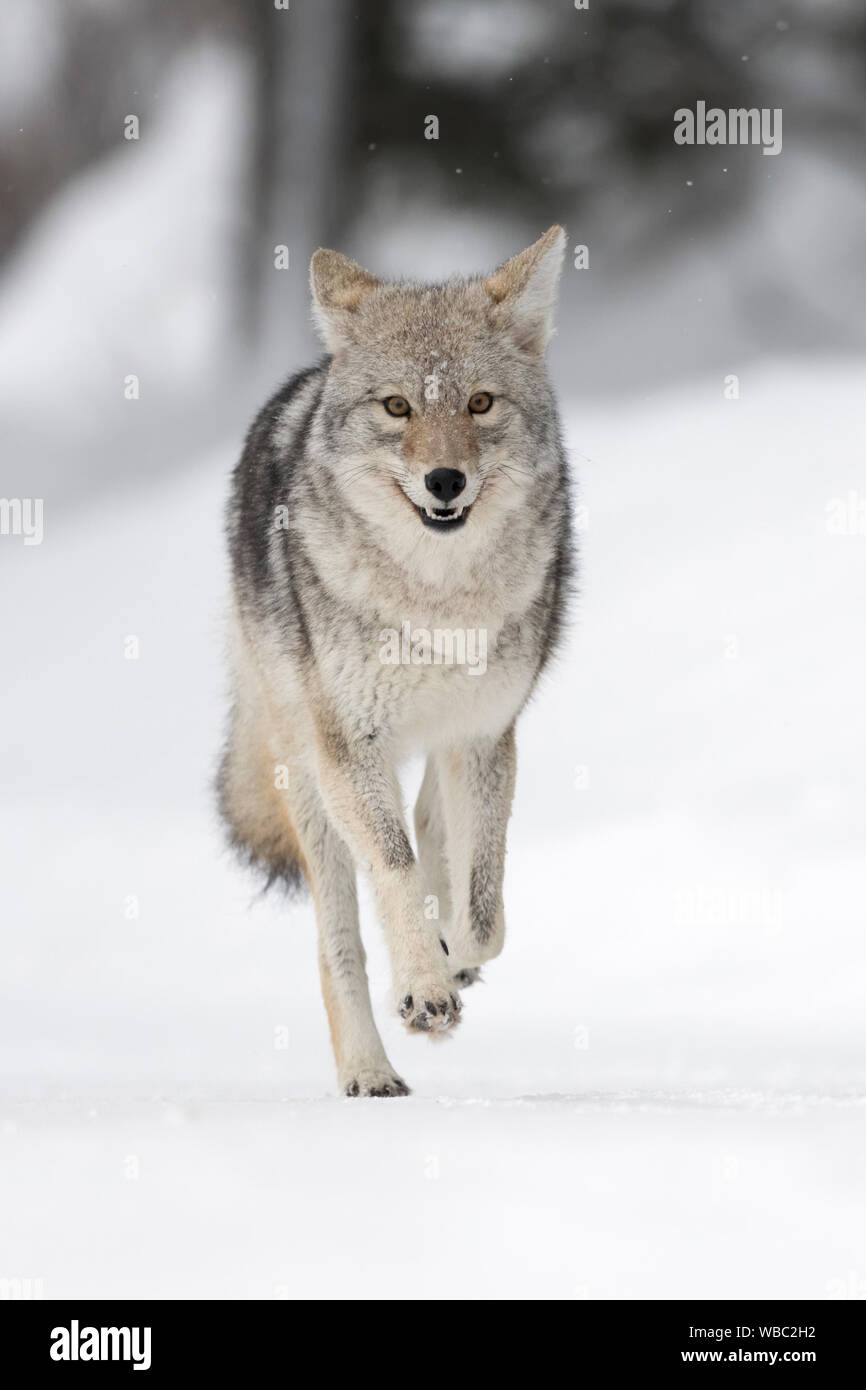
[(338, 285), (524, 290)]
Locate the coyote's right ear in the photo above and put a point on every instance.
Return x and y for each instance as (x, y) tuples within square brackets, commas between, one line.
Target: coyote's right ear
[(339, 285)]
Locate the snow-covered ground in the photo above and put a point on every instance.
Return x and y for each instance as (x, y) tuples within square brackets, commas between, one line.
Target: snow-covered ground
[(659, 1091)]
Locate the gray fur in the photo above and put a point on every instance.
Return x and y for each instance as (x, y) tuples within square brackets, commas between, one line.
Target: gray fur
[(328, 553)]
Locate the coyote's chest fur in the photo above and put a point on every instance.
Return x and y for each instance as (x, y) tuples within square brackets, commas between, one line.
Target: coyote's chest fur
[(420, 665), (423, 696), (400, 540)]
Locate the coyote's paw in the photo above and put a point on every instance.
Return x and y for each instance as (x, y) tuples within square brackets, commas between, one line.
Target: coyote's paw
[(466, 975), (374, 1081), (433, 1007)]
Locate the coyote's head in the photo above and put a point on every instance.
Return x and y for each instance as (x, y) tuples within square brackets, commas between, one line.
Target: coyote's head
[(437, 417)]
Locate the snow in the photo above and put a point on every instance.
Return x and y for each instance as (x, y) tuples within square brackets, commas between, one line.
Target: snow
[(659, 1089)]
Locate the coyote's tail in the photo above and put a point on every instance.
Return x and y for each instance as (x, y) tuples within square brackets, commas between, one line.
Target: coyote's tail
[(254, 811)]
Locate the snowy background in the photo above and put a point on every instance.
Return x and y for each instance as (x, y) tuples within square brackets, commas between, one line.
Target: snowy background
[(660, 1089)]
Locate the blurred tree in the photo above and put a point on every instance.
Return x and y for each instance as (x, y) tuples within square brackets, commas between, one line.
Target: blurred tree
[(544, 108), (301, 149), (74, 70), (539, 105)]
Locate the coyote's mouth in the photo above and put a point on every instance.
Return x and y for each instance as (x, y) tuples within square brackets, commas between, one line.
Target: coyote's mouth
[(438, 518), (444, 518)]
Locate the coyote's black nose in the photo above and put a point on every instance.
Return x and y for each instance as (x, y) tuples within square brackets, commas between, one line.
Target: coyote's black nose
[(445, 483)]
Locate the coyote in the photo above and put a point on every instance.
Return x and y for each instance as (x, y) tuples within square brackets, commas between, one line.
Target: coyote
[(414, 480)]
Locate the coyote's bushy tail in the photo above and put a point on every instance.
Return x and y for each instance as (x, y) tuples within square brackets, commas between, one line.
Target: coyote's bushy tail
[(255, 812)]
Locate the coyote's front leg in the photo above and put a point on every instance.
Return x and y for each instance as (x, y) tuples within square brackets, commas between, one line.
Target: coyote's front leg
[(362, 792), (431, 840), (476, 784)]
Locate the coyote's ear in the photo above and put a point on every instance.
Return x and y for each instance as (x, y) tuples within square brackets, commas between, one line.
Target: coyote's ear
[(524, 290), (338, 286)]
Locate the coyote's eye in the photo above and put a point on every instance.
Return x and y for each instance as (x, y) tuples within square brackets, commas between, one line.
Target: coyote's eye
[(480, 402), (396, 405)]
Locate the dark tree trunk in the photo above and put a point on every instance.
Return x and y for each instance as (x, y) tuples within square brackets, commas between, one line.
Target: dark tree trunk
[(301, 145)]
